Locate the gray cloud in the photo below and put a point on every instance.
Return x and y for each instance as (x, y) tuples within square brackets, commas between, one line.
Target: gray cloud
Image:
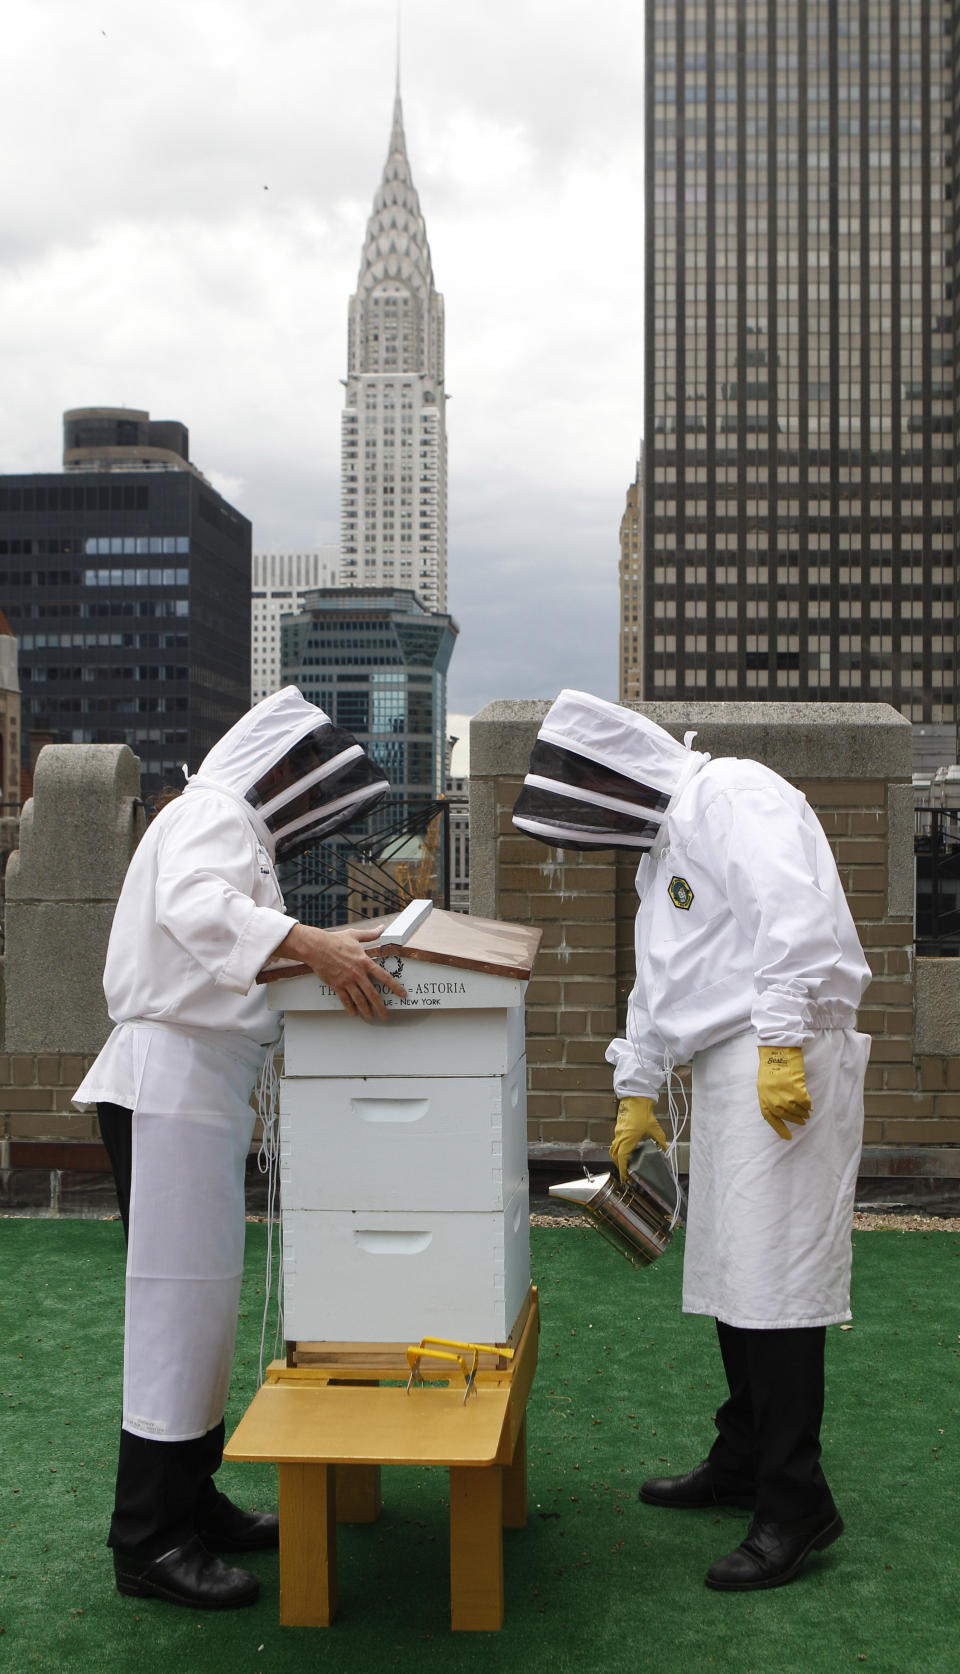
[(143, 262)]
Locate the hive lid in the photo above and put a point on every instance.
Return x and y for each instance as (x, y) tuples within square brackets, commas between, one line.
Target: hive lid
[(457, 939)]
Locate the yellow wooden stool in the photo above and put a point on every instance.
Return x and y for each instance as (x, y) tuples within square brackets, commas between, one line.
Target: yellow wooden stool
[(329, 1425)]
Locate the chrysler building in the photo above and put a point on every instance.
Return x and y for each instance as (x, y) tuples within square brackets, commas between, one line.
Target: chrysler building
[(393, 438)]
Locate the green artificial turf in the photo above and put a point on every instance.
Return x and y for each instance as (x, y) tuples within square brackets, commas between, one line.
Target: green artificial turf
[(626, 1387)]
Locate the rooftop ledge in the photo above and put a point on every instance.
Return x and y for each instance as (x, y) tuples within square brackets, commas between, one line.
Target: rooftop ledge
[(799, 740)]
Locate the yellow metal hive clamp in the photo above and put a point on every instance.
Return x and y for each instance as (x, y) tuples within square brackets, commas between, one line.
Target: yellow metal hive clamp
[(445, 1348)]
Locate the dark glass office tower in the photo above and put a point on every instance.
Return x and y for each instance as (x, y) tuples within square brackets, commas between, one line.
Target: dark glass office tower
[(126, 579), (376, 660), (799, 470)]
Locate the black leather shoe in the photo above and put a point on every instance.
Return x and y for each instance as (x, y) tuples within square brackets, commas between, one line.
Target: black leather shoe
[(227, 1528), (773, 1553), (188, 1575), (697, 1488)]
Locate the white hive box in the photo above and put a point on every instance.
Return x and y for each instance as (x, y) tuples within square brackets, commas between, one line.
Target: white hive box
[(393, 1276), (401, 1140), (404, 1190), (489, 1042)]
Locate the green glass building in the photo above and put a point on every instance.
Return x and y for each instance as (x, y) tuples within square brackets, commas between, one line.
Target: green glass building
[(376, 660)]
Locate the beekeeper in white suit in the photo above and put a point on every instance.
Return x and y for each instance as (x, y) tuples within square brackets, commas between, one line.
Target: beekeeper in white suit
[(199, 915), (748, 967)]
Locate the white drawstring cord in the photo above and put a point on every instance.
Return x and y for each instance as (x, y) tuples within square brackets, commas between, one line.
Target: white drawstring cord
[(268, 1162), (678, 1122)]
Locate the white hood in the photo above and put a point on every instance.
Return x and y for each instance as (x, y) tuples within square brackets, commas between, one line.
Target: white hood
[(601, 776), (300, 776)]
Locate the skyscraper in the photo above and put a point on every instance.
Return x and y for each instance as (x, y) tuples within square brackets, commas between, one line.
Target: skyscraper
[(280, 580), (9, 723), (393, 434), (377, 662), (126, 579), (631, 590), (799, 478)]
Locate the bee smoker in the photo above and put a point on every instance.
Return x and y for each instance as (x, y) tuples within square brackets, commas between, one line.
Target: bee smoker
[(637, 1216)]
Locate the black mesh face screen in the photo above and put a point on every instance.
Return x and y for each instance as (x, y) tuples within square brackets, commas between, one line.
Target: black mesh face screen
[(572, 819), (288, 847), (351, 780), (309, 753), (550, 761), (321, 784)]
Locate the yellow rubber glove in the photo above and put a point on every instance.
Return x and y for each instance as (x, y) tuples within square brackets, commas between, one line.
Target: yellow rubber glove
[(782, 1088), (635, 1121)]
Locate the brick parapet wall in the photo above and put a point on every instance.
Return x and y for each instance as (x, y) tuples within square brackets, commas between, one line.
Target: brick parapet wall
[(35, 1100), (52, 1159), (572, 998), (853, 764), (35, 1093)]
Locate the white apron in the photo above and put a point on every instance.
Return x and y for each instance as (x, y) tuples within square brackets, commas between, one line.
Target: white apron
[(768, 1219), (192, 1126)]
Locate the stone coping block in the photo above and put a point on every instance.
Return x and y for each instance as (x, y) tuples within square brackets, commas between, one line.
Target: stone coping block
[(77, 835), (937, 1000), (54, 976), (798, 740), (80, 827)]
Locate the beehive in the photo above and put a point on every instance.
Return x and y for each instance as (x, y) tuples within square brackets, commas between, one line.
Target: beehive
[(404, 1184)]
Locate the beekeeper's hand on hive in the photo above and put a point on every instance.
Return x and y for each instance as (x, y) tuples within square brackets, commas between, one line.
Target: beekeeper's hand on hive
[(340, 959)]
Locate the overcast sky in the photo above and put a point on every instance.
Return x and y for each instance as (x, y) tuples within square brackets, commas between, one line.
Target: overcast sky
[(186, 191)]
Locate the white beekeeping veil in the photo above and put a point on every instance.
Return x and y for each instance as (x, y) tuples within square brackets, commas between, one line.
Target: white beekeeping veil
[(601, 776), (300, 776)]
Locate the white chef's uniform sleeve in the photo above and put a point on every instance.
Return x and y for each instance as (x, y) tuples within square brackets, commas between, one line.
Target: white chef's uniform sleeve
[(770, 865), (207, 870)]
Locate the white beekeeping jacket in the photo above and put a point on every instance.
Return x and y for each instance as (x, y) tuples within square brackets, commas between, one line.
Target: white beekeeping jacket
[(742, 924), (742, 921), (201, 911)]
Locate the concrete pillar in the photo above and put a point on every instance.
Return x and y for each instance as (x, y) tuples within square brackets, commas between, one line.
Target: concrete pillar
[(77, 835)]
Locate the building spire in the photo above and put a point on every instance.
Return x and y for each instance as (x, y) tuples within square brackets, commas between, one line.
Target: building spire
[(398, 143), (397, 138), (393, 526), (396, 244)]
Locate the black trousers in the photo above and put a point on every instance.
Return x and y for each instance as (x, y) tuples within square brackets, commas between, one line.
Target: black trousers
[(768, 1430), (165, 1490)]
